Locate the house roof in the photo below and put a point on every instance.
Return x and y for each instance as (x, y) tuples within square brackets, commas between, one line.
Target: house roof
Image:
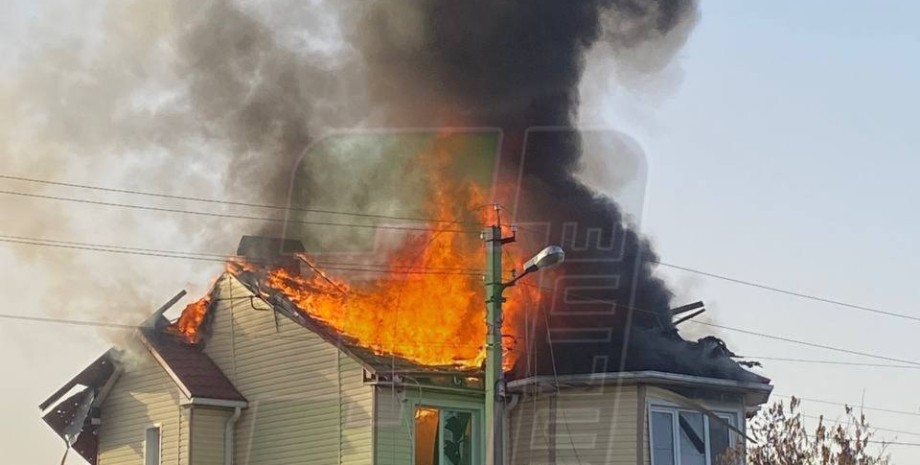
[(66, 413), (196, 375), (190, 368), (96, 374), (754, 392)]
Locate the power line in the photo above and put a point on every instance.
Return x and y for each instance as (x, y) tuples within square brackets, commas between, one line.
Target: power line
[(222, 257), (219, 258), (130, 326), (227, 215), (729, 328), (801, 295), (835, 422), (806, 343), (224, 202), (409, 218), (883, 442), (403, 218), (94, 248), (767, 287), (840, 404), (829, 362), (66, 321), (104, 324)]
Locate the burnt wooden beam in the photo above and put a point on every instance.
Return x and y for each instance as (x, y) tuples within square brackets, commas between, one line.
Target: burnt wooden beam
[(690, 316), (687, 308)]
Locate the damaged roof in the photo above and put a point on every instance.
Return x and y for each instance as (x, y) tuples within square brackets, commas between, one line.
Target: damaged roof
[(72, 417), (189, 367), (75, 418)]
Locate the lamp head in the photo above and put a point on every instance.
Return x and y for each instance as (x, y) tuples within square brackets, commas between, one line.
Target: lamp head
[(547, 258)]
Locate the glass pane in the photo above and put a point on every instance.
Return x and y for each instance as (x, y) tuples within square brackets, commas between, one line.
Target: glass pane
[(692, 438), (426, 436), (458, 437), (662, 439), (152, 446), (719, 439)]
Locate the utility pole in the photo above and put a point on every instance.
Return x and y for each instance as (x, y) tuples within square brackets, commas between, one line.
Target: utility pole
[(495, 376), (495, 384)]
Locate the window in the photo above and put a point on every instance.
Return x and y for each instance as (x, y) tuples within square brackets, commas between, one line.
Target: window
[(444, 436), (688, 437), (152, 446)]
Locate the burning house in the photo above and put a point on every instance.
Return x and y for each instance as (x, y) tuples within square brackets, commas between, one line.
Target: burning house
[(299, 354), (257, 372)]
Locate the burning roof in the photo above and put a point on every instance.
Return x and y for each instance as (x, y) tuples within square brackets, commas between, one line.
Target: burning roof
[(447, 335)]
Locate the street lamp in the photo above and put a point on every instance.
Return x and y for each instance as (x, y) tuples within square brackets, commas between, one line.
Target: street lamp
[(547, 258)]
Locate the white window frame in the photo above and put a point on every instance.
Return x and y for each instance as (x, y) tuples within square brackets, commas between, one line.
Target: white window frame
[(477, 436), (732, 415), (159, 429)]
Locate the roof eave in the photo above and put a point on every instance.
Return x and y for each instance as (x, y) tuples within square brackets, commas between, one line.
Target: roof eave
[(754, 393), (208, 402)]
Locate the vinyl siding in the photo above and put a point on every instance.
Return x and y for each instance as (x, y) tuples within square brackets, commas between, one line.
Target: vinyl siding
[(528, 431), (393, 421), (207, 435), (142, 397), (595, 425), (307, 400)]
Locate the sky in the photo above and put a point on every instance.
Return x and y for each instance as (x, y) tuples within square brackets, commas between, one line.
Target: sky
[(781, 148), (786, 155)]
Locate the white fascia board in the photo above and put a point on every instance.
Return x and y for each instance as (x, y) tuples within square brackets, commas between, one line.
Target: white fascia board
[(206, 402)]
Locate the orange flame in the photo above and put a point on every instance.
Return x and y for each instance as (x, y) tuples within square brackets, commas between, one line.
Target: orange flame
[(189, 323), (429, 304)]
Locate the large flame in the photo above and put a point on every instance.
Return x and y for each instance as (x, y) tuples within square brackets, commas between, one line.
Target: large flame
[(427, 302)]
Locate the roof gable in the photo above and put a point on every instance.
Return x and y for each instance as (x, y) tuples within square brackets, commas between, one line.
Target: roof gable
[(189, 367)]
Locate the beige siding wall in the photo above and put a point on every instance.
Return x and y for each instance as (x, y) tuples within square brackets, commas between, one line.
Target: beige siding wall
[(591, 426), (207, 435), (528, 431), (143, 396), (308, 403), (394, 424)]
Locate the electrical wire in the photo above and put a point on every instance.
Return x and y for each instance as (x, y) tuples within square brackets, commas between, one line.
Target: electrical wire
[(223, 202), (739, 330), (222, 258), (806, 343), (766, 287), (402, 218), (828, 362), (552, 356), (841, 404), (779, 290), (835, 422), (229, 216), (883, 442)]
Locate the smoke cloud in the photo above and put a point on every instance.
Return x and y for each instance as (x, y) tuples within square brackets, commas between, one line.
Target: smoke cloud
[(219, 99)]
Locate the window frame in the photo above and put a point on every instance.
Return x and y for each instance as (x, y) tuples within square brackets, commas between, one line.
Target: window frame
[(478, 435), (159, 429), (730, 413)]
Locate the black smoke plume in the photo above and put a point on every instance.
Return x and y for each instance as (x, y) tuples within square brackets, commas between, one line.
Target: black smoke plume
[(231, 94), (517, 66)]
